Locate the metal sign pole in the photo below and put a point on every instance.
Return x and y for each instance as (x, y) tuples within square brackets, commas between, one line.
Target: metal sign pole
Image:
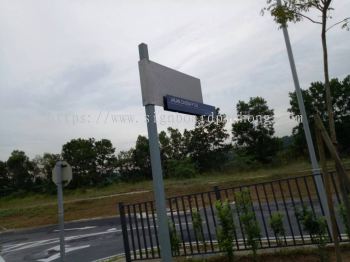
[(60, 210), (310, 145), (158, 184)]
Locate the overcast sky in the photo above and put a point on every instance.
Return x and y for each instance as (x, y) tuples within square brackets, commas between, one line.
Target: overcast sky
[(68, 67)]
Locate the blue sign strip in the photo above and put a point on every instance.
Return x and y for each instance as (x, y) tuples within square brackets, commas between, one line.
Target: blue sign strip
[(181, 105)]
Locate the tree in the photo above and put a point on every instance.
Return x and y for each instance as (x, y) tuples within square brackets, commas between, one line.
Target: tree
[(43, 173), (80, 154), (92, 161), (175, 161), (126, 166), (142, 157), (207, 143), (165, 147), (46, 163), (105, 161), (297, 10), (314, 98), (21, 170), (253, 133), (4, 179), (177, 144)]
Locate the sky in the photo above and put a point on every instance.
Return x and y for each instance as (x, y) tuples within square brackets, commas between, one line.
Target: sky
[(68, 68)]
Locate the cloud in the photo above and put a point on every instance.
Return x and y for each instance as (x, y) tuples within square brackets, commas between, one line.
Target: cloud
[(69, 59)]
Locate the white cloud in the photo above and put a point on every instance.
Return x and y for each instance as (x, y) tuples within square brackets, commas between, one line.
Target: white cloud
[(79, 58)]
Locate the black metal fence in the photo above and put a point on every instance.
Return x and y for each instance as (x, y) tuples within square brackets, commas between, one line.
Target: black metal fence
[(284, 196)]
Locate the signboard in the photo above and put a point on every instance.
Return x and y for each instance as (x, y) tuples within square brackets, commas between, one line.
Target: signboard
[(185, 106), (158, 81), (66, 170)]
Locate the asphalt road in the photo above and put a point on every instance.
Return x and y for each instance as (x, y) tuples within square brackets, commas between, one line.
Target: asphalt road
[(101, 238), (85, 241)]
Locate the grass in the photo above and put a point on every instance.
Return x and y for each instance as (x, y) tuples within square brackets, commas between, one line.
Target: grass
[(306, 254), (39, 209)]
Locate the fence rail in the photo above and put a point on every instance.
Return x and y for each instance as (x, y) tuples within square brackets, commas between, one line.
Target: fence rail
[(284, 196)]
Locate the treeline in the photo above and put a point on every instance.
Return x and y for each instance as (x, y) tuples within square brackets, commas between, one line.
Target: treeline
[(250, 143)]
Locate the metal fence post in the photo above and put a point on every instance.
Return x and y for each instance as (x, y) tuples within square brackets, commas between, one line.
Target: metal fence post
[(125, 232), (217, 193)]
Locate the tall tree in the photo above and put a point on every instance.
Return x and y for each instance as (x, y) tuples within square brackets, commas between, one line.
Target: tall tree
[(4, 179), (297, 10), (80, 154), (173, 145), (21, 170), (253, 133), (207, 143), (45, 164), (314, 98), (175, 160), (93, 162), (105, 160), (165, 147), (177, 144), (142, 157), (126, 167)]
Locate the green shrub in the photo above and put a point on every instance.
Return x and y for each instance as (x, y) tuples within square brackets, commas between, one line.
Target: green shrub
[(225, 230), (180, 168), (344, 218), (197, 223), (276, 223), (316, 227), (248, 219), (241, 162), (174, 239)]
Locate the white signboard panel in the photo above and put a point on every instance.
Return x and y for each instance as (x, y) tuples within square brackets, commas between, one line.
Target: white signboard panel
[(158, 81), (66, 170)]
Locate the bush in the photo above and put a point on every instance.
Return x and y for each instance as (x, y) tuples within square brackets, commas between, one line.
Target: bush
[(241, 162), (174, 239), (197, 223), (180, 168), (276, 223), (248, 219), (344, 218), (225, 230), (316, 227)]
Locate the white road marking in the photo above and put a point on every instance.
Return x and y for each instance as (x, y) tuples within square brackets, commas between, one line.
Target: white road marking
[(76, 228), (26, 245), (1, 259), (57, 255)]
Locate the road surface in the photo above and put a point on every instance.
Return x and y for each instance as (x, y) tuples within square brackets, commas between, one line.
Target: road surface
[(85, 241), (100, 238)]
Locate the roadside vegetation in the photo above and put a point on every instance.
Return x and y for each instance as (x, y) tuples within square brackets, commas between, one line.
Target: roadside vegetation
[(193, 161), (308, 254)]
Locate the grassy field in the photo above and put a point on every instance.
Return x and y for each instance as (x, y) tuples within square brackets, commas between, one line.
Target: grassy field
[(39, 209)]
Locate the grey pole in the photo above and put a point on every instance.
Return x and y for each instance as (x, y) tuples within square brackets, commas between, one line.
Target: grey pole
[(310, 145), (60, 211), (158, 184)]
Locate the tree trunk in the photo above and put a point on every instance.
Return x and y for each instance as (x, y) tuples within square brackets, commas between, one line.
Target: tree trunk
[(326, 75)]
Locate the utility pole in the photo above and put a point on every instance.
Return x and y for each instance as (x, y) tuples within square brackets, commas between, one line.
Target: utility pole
[(315, 167)]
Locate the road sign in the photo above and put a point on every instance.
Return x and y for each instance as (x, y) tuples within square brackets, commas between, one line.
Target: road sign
[(155, 97), (177, 92), (158, 81), (185, 106), (61, 176), (66, 170)]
